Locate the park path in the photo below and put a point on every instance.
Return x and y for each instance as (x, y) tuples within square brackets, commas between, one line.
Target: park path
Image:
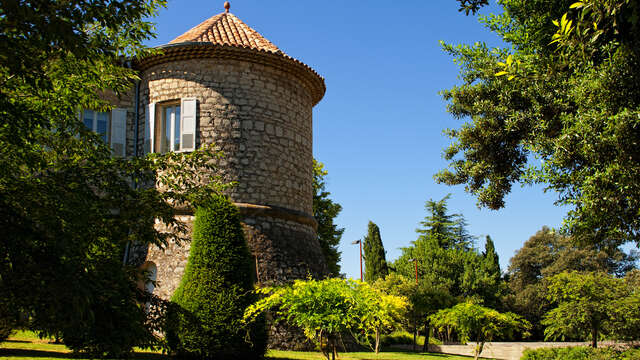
[(505, 350)]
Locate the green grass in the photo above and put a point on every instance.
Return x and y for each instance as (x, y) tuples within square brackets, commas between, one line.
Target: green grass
[(26, 345), (297, 355)]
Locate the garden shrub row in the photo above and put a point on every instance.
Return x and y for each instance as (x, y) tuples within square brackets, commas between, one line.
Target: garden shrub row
[(581, 353)]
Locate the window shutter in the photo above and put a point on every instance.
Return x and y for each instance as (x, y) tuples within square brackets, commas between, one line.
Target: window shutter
[(149, 127), (119, 132), (188, 124)]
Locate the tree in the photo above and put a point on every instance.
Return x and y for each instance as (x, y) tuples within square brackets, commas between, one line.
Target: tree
[(557, 106), (215, 290), (491, 261), (474, 322), (448, 229), (425, 298), (328, 308), (445, 255), (325, 211), (66, 206), (586, 303), (374, 255), (546, 254)]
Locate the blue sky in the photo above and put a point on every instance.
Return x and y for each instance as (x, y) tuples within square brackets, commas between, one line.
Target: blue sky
[(378, 129)]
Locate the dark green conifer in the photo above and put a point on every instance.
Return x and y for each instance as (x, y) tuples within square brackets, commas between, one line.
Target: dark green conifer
[(491, 262), (215, 290), (374, 255)]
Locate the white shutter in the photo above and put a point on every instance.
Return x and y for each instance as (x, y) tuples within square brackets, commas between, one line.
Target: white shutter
[(188, 124), (119, 132), (149, 127)]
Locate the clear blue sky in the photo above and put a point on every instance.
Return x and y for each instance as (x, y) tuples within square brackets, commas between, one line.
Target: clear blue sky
[(378, 129)]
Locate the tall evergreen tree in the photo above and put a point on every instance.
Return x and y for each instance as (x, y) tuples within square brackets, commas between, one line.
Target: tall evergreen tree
[(491, 261), (215, 291), (448, 229), (325, 211), (445, 256), (374, 255)]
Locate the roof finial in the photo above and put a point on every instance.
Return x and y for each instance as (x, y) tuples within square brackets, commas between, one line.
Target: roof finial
[(227, 6)]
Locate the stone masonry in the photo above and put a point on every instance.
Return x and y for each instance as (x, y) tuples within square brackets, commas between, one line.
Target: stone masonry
[(254, 103)]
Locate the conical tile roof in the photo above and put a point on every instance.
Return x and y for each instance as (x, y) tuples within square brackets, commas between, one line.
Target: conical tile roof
[(227, 29)]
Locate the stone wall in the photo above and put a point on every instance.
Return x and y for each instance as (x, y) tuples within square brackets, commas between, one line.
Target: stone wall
[(171, 261), (259, 116)]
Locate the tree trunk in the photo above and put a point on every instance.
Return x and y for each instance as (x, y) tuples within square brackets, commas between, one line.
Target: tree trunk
[(479, 347), (377, 340), (427, 331), (594, 336), (415, 331), (335, 350)]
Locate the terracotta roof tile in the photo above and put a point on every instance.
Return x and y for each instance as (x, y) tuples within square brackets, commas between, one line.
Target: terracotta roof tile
[(227, 29)]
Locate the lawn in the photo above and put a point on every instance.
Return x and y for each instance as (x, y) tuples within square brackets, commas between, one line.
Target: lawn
[(26, 345)]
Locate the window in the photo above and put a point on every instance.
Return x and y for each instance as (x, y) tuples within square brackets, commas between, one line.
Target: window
[(170, 126), (112, 127), (97, 122)]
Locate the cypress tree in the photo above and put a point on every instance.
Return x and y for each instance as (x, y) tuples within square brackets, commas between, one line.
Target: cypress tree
[(215, 291), (374, 255), (490, 259)]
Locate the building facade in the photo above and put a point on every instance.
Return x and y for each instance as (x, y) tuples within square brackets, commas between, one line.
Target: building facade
[(223, 83)]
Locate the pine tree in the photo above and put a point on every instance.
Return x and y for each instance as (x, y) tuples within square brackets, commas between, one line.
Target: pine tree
[(450, 230), (374, 255), (215, 291)]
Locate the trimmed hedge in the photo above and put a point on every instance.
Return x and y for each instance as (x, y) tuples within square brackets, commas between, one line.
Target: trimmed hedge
[(580, 353), (215, 290)]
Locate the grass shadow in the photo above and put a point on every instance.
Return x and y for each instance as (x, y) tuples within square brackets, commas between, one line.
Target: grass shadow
[(34, 354), (18, 341)]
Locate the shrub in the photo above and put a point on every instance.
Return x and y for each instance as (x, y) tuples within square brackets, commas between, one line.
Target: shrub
[(215, 290), (7, 325), (580, 353)]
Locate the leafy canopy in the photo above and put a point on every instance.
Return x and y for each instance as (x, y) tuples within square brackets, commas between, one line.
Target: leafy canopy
[(325, 211), (67, 208), (559, 106), (445, 256), (328, 308), (475, 322), (588, 305)]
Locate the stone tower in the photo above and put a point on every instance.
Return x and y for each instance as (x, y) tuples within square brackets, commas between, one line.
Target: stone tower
[(223, 83)]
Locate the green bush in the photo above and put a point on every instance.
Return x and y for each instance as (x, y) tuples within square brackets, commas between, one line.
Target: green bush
[(7, 326), (215, 290), (580, 353)]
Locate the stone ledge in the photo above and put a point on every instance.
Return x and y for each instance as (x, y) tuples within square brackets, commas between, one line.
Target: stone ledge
[(278, 213), (266, 211)]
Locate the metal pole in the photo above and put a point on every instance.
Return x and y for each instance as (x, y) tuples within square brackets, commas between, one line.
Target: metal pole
[(360, 242)]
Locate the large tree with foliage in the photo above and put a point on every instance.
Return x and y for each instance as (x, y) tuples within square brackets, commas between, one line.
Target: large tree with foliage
[(425, 298), (559, 106), (375, 263), (586, 304), (445, 255), (471, 321), (67, 207), (325, 211), (546, 254), (327, 309)]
